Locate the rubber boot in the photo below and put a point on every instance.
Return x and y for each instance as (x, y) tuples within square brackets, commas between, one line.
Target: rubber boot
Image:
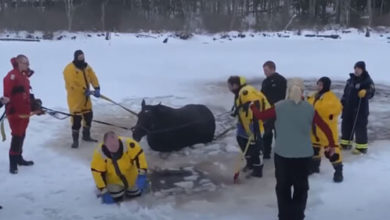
[(21, 161), (13, 165), (75, 137), (257, 171), (338, 174), (359, 151), (267, 154), (87, 135), (346, 146)]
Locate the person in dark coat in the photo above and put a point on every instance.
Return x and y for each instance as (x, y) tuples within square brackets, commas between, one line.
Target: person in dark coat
[(358, 90), (274, 88)]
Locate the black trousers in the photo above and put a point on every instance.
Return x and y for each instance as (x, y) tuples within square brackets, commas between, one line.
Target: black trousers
[(268, 136), (86, 117), (292, 173), (360, 132), (254, 155)]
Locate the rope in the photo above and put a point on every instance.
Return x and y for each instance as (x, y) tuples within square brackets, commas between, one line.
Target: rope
[(355, 121), (115, 103), (57, 114)]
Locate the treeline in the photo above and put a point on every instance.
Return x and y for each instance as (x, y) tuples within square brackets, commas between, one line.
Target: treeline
[(189, 15)]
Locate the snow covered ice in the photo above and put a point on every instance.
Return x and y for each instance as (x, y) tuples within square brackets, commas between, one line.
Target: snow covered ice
[(60, 186)]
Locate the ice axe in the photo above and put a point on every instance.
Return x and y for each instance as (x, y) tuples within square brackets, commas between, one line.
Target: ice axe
[(242, 158), (115, 103)]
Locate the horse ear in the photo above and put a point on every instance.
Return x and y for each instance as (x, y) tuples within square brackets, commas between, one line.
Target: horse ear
[(143, 103)]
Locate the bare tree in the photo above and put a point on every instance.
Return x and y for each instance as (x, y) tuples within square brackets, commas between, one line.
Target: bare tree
[(69, 10), (381, 7), (369, 11), (189, 15), (103, 6), (344, 11), (312, 8)]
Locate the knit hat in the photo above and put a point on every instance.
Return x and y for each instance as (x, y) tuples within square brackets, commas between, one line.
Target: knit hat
[(77, 53), (360, 65)]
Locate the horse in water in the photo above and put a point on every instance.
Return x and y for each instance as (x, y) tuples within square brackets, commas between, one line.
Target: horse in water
[(168, 129)]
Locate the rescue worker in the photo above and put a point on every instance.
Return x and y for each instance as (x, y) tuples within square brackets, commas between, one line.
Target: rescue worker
[(78, 76), (246, 127), (358, 90), (21, 105), (119, 168), (329, 108), (293, 151), (274, 88)]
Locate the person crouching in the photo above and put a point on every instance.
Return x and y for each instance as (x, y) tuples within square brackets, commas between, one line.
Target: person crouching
[(119, 168)]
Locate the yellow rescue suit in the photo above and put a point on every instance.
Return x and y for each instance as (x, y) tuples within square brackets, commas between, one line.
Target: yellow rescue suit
[(77, 81), (246, 95), (130, 163), (329, 108)]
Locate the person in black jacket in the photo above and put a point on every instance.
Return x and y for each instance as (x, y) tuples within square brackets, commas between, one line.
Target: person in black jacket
[(274, 88), (358, 90)]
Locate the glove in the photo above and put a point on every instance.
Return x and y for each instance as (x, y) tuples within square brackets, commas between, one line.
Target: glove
[(39, 112), (362, 93), (87, 92), (36, 106), (107, 198), (329, 152), (97, 92), (141, 182), (4, 100)]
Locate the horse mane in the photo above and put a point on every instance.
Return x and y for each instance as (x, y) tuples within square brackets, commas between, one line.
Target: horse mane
[(163, 115), (159, 110), (163, 108)]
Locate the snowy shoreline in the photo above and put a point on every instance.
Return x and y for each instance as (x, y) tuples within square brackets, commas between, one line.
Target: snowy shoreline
[(339, 33)]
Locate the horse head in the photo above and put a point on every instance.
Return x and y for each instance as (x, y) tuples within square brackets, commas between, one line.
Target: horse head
[(145, 121)]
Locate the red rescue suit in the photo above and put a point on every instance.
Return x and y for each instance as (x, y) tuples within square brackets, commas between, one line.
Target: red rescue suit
[(17, 89)]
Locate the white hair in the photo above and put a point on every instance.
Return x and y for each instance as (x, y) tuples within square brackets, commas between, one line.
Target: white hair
[(295, 87)]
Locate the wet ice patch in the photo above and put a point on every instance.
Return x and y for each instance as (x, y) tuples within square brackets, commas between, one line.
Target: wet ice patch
[(186, 180)]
